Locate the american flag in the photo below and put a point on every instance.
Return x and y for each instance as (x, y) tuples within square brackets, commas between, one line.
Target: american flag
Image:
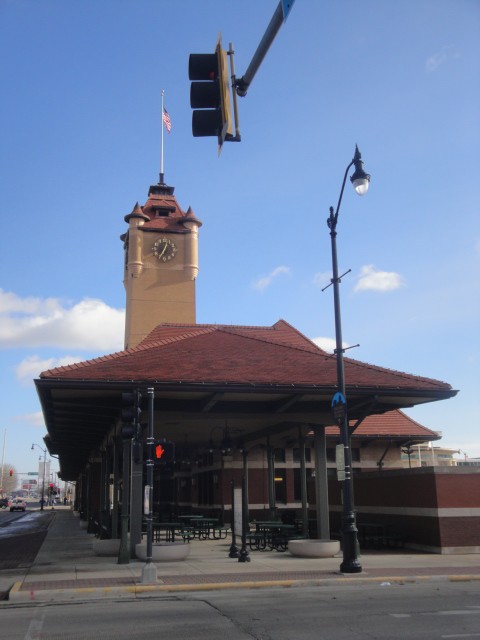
[(166, 120)]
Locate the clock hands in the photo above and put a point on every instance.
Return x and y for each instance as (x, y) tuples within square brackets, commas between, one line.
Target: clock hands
[(165, 245)]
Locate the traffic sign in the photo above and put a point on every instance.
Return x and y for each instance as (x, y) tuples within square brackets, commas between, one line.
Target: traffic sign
[(340, 460), (339, 408)]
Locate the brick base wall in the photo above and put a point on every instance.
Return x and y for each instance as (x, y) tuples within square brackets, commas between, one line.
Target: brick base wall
[(435, 509)]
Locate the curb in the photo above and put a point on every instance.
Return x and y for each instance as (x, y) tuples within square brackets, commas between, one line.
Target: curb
[(19, 596)]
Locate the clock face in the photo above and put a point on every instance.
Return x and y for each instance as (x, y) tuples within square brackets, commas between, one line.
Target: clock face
[(164, 249)]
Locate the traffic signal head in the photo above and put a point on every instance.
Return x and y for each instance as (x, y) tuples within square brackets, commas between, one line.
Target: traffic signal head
[(131, 412), (11, 472), (210, 94)]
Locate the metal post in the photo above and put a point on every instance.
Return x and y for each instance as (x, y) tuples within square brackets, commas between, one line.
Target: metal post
[(244, 555), (149, 571), (233, 553), (43, 478), (350, 562), (261, 52), (124, 551)]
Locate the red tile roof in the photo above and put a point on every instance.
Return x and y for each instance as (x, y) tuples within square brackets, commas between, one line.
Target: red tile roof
[(276, 355), (162, 212), (390, 424)]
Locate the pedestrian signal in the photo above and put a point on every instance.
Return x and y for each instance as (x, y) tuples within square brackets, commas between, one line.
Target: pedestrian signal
[(163, 451)]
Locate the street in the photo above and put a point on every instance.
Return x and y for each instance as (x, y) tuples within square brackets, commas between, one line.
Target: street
[(439, 609), (21, 535)]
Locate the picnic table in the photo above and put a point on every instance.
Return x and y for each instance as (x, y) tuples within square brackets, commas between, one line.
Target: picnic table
[(271, 535), (166, 531), (204, 529)]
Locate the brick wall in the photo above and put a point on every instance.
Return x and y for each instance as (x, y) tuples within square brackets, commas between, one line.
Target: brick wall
[(436, 509)]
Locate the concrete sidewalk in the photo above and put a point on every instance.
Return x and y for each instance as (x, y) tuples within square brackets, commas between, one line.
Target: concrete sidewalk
[(67, 569)]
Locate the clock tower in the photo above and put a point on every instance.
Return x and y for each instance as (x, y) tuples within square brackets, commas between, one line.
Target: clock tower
[(161, 264)]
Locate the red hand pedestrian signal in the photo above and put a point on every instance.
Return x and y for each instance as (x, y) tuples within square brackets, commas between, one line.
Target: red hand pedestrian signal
[(163, 452)]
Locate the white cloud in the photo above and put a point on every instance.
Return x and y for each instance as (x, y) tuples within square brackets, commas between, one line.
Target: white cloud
[(265, 282), (322, 279), (438, 59), (35, 322), (32, 366), (371, 279), (328, 344), (32, 419)]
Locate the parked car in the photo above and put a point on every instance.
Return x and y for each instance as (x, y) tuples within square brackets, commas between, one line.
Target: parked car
[(18, 505), (4, 503)]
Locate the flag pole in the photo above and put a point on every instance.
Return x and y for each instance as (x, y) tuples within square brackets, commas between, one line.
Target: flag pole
[(161, 144)]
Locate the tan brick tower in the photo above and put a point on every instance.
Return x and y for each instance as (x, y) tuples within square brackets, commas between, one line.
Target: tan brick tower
[(161, 264)]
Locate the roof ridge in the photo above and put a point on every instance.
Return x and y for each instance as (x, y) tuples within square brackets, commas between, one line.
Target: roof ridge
[(146, 343), (310, 346)]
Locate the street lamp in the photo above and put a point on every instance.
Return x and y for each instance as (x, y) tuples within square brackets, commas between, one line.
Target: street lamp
[(350, 564), (44, 465)]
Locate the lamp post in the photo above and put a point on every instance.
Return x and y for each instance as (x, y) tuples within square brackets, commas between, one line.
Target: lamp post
[(42, 500), (350, 564)]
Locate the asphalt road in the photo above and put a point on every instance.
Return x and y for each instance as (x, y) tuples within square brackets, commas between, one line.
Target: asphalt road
[(21, 536), (440, 610)]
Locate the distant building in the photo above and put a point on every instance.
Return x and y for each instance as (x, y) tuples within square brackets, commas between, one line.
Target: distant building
[(469, 462)]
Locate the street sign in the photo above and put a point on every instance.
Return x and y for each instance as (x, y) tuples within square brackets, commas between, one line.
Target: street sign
[(286, 7), (340, 460), (339, 408)]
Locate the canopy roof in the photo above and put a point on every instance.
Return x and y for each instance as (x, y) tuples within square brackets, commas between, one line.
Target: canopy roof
[(257, 380)]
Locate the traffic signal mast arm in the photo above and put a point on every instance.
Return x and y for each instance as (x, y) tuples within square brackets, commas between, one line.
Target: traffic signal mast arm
[(210, 89), (280, 15)]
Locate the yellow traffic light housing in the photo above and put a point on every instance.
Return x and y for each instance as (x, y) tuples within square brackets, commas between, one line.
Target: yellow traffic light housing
[(210, 95)]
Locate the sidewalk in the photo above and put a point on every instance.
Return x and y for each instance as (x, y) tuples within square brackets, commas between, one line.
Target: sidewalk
[(66, 569)]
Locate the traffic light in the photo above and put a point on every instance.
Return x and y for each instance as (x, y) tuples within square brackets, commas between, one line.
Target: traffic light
[(210, 94), (163, 451), (131, 412), (11, 472)]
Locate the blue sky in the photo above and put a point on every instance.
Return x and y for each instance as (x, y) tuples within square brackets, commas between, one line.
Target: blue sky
[(80, 129)]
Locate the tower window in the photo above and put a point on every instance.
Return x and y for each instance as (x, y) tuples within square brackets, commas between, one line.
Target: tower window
[(163, 212)]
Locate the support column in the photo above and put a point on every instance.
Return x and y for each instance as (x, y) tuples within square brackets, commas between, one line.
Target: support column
[(116, 481), (321, 483), (244, 555), (104, 489), (303, 482), (136, 506), (124, 552), (271, 480)]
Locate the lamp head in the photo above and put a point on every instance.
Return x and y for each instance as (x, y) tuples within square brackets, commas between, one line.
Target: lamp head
[(359, 178)]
